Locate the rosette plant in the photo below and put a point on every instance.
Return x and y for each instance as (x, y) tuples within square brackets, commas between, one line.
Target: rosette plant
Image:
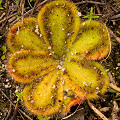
[(55, 55)]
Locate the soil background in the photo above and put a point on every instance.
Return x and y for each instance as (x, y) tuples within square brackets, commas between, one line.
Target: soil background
[(108, 104)]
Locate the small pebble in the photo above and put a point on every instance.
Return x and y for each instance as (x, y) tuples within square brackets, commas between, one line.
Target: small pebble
[(7, 86)]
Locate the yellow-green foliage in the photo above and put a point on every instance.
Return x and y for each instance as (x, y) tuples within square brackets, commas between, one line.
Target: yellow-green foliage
[(92, 42), (59, 24), (25, 36), (55, 54)]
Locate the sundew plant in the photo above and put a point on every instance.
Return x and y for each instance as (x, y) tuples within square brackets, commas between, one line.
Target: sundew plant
[(55, 55)]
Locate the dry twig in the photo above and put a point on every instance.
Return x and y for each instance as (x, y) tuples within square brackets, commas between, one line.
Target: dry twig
[(28, 12), (114, 36), (115, 17), (22, 18), (35, 5), (113, 84), (9, 112), (8, 17), (19, 110), (115, 111), (29, 3), (111, 78), (3, 14), (93, 2), (114, 87), (96, 110), (15, 111)]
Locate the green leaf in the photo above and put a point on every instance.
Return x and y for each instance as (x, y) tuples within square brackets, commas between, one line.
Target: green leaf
[(112, 91), (19, 95), (1, 8), (17, 16), (91, 15), (95, 16), (41, 118), (118, 32), (4, 48), (90, 21), (103, 72), (91, 11), (0, 2), (32, 0), (117, 99), (47, 118), (18, 5), (88, 16), (0, 5), (2, 57)]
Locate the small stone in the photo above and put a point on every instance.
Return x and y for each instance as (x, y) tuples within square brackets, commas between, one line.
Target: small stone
[(7, 80), (67, 90), (118, 64), (49, 47), (63, 69), (7, 86), (83, 23), (3, 65), (59, 67), (68, 15), (37, 26), (51, 33), (50, 53), (26, 75), (53, 86), (51, 96), (97, 88), (68, 34), (65, 97), (84, 83), (32, 101), (40, 35), (94, 68), (71, 53), (79, 14), (13, 70), (37, 31), (17, 89)]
